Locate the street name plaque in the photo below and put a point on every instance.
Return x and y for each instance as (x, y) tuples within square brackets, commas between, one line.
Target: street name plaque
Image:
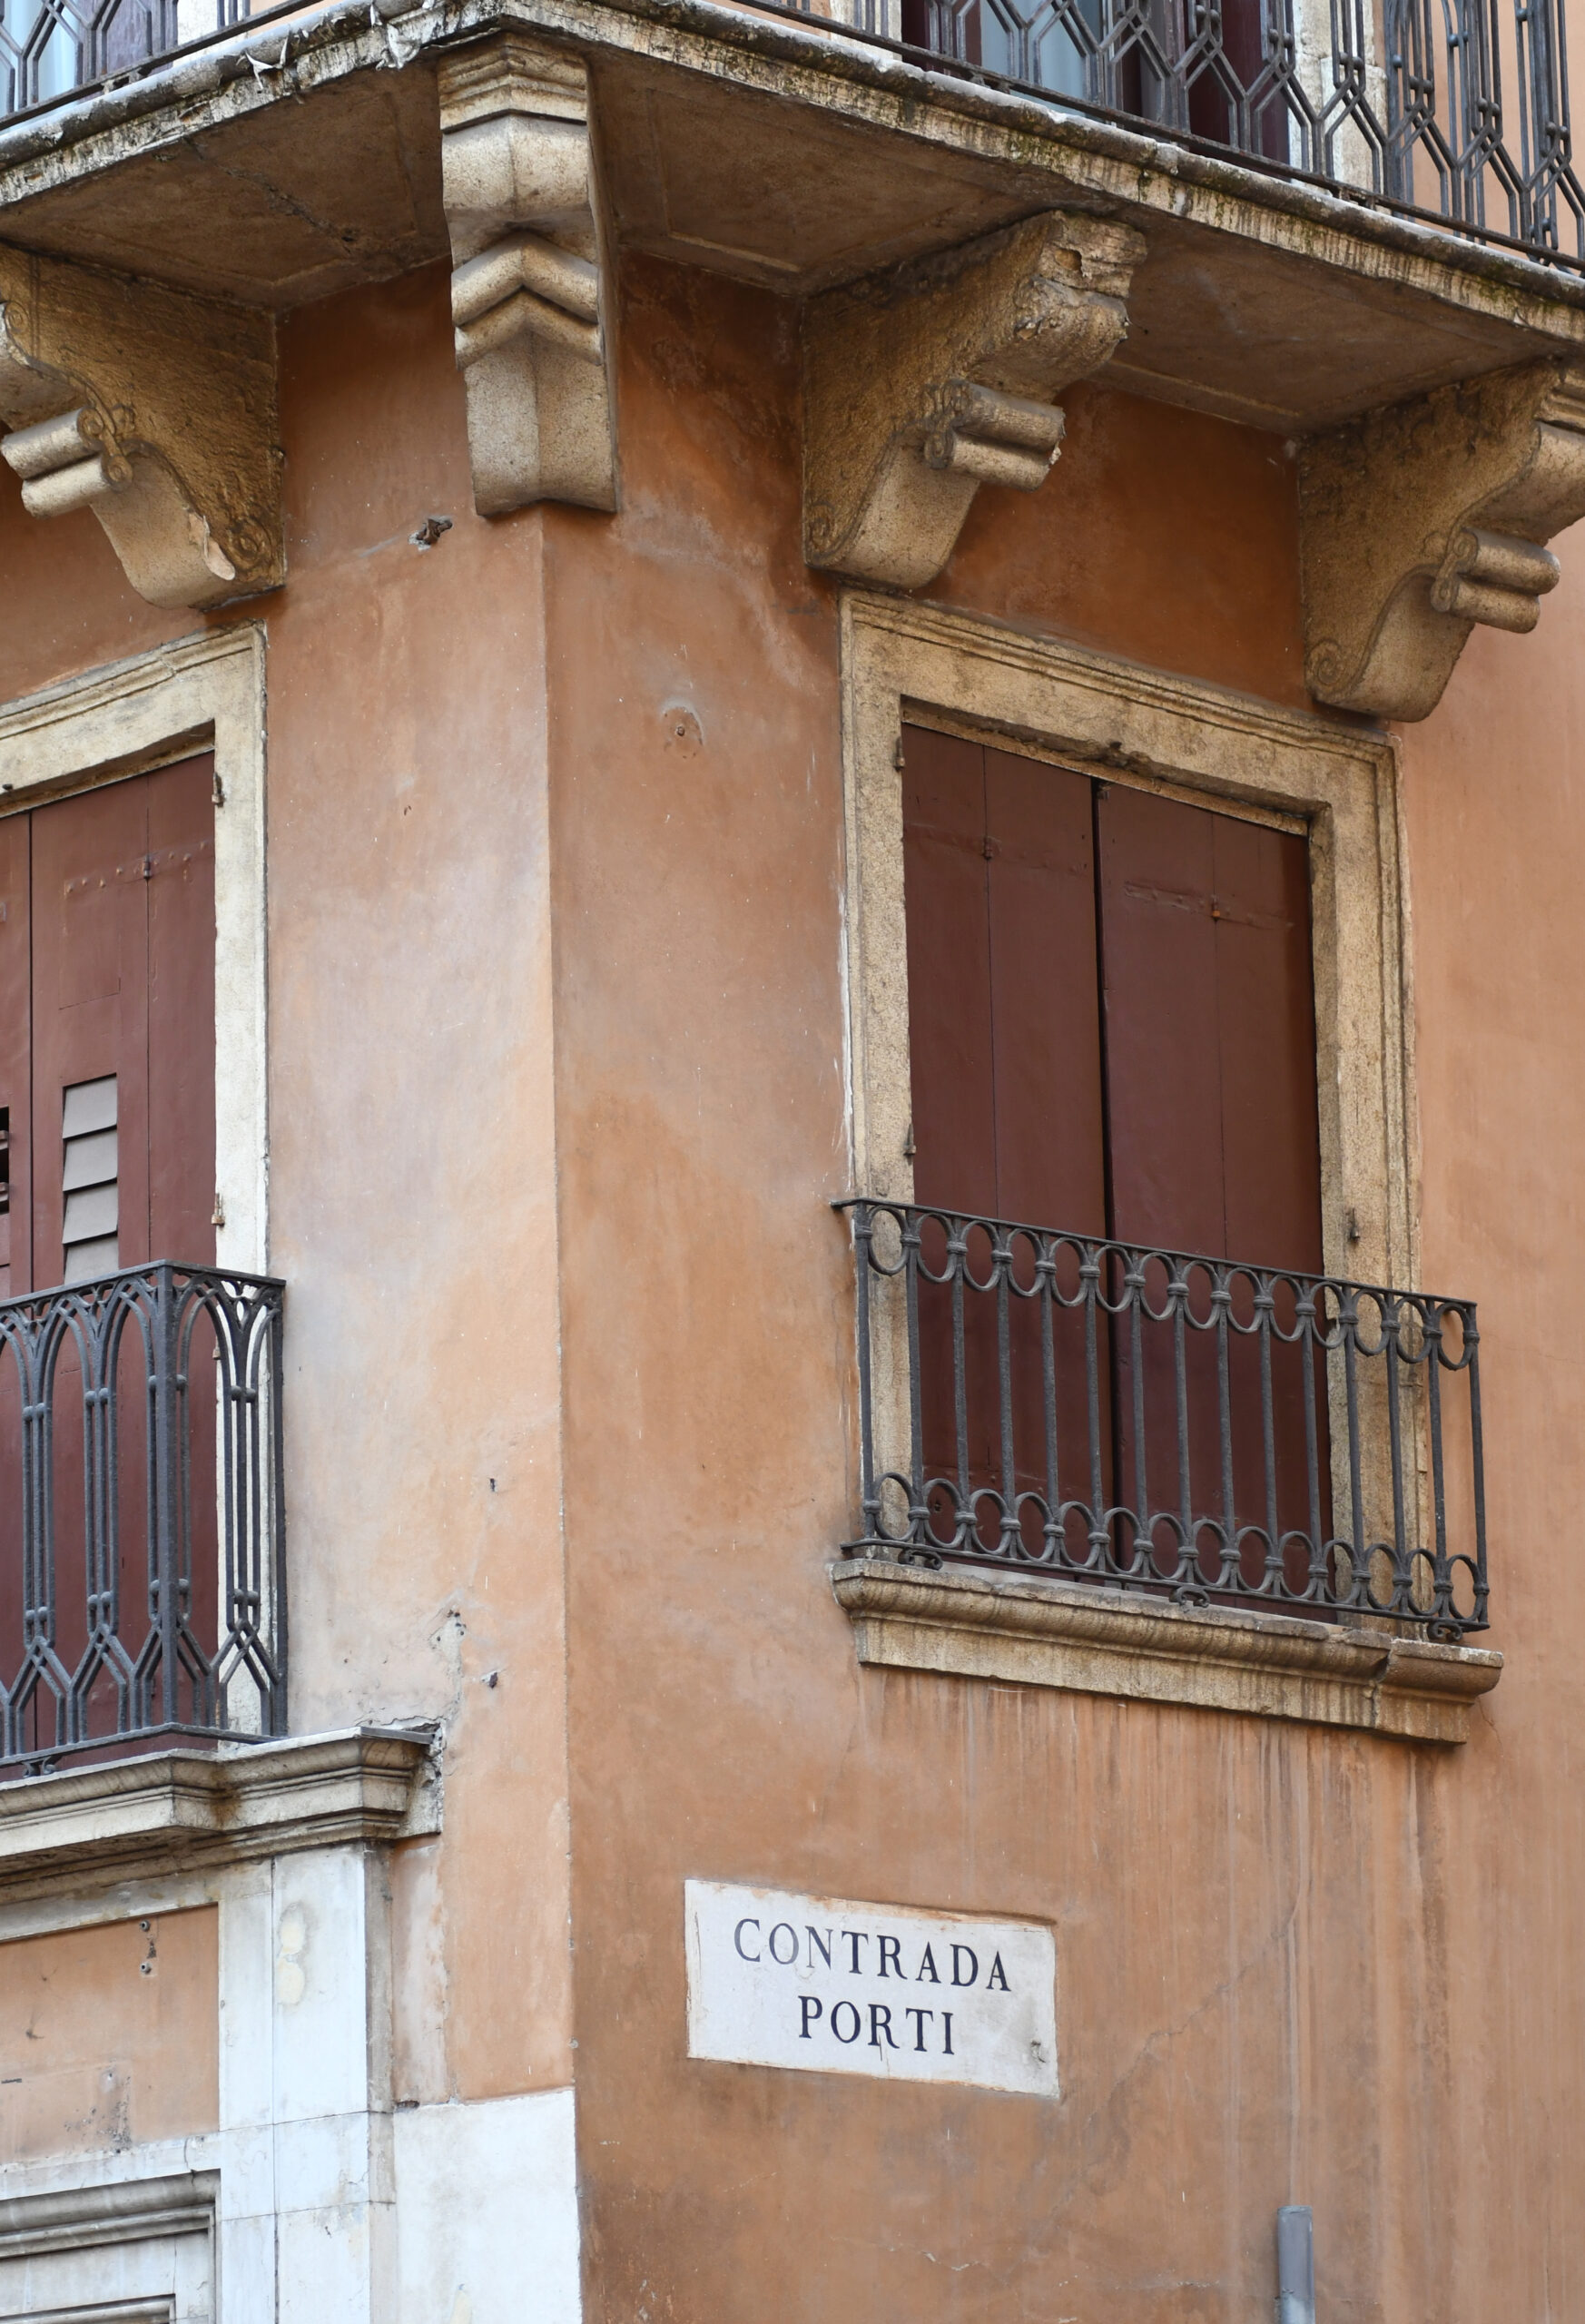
[(826, 1987)]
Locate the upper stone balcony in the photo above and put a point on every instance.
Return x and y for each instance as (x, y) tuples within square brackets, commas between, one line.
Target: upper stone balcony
[(1358, 229)]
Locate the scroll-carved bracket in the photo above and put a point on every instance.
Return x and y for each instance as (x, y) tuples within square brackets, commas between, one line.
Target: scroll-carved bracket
[(925, 382), (1421, 520), (156, 410), (527, 296)]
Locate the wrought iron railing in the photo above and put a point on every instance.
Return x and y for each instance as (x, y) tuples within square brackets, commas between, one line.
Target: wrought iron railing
[(1457, 108), (1187, 1427), (142, 1574)]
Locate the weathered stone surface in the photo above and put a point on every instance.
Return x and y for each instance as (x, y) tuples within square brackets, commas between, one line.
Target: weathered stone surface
[(1042, 1632), (923, 383), (526, 296), (137, 1816), (156, 410), (1422, 520)]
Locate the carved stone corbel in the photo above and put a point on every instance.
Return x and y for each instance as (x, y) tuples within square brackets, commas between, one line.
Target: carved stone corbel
[(527, 297), (923, 383), (1420, 521), (156, 410)]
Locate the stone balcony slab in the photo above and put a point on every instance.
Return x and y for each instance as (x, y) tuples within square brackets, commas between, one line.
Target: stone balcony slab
[(188, 1809), (1033, 1632), (302, 156)]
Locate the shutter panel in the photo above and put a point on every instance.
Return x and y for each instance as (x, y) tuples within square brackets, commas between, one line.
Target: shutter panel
[(1271, 1135), (1046, 1021), (15, 1021), (946, 906), (1005, 1042), (1209, 1023), (91, 1002), (181, 895)]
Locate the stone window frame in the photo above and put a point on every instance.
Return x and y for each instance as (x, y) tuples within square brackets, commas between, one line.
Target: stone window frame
[(201, 692), (909, 663)]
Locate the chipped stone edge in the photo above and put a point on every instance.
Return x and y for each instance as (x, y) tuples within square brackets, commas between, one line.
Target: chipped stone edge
[(187, 1810), (1035, 1632)]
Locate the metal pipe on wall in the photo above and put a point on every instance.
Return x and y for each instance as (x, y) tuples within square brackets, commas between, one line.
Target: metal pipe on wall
[(1295, 2299)]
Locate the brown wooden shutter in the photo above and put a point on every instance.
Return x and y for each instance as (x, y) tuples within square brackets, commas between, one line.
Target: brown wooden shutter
[(15, 1022), (1005, 1035), (1004, 1028), (1210, 1048), (124, 1016), (1210, 1031)]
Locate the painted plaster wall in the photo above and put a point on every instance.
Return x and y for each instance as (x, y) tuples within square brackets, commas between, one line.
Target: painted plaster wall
[(1277, 1948), (1274, 1944), (411, 1162), (1494, 790)]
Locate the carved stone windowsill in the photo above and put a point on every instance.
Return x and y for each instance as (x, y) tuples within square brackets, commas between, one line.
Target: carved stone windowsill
[(186, 1809), (1046, 1633)]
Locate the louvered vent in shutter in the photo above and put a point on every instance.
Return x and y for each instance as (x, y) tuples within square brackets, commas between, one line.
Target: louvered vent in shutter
[(89, 1180)]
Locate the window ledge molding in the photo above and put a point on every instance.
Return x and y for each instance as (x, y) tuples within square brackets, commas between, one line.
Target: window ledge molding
[(1035, 1632), (187, 1810)]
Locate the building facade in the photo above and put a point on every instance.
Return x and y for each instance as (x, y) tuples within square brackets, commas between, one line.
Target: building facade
[(859, 715)]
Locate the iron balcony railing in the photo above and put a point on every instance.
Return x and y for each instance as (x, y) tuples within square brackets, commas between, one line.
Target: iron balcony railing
[(142, 1589), (1187, 1427), (1457, 110)]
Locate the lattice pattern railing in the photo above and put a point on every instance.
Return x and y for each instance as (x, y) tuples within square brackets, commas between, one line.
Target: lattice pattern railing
[(1456, 107)]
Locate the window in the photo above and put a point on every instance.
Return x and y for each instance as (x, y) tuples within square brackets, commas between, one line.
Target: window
[(1213, 883)]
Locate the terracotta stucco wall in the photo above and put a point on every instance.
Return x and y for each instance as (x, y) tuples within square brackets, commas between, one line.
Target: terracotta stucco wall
[(412, 1177), (1275, 1944), (1292, 1964)]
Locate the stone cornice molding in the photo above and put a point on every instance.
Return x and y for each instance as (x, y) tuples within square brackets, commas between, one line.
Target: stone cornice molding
[(127, 2211), (528, 301), (1422, 520), (925, 381), (1047, 1633), (188, 1809), (153, 407)]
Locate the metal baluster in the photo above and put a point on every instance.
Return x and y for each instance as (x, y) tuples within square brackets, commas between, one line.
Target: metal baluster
[(1221, 1309), (1317, 1578), (1477, 1464), (1264, 1310), (958, 1266), (162, 1467), (863, 1230), (1090, 1278), (1402, 1589), (1349, 1320), (1001, 1267), (1134, 1288), (1047, 1278), (1188, 1561), (918, 1513), (277, 1375), (1442, 1577)]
